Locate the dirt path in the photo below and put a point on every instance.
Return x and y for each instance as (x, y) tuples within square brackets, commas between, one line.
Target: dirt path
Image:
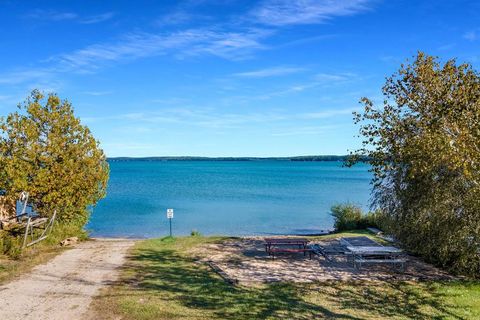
[(64, 287)]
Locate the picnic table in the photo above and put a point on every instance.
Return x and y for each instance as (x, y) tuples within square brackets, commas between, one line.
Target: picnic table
[(376, 254), (284, 245)]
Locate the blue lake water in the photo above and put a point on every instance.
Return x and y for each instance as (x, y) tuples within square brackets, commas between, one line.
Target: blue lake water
[(223, 197)]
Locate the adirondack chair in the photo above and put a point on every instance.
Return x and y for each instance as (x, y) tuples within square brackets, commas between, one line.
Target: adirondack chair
[(29, 223)]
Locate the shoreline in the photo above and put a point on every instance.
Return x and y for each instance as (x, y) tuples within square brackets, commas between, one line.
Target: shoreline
[(253, 235)]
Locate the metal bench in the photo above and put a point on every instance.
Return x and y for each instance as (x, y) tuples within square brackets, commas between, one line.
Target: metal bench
[(395, 261)]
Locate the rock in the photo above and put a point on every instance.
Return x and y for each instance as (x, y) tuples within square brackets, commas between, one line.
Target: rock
[(4, 225), (69, 241)]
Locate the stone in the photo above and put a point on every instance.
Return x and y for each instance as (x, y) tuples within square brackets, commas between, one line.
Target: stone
[(69, 241)]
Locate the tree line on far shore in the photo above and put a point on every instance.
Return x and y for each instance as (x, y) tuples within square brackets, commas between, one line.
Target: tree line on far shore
[(340, 158)]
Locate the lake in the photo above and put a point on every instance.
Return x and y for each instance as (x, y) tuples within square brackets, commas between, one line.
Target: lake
[(225, 197)]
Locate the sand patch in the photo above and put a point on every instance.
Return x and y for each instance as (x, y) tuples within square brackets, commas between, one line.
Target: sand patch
[(246, 261)]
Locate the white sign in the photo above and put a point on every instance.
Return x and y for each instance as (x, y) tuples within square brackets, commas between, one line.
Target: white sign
[(169, 213)]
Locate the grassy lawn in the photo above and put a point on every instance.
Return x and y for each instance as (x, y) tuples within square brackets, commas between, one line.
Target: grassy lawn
[(11, 268), (162, 281)]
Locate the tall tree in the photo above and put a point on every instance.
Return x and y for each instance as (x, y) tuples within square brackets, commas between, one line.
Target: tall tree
[(46, 151), (423, 143)]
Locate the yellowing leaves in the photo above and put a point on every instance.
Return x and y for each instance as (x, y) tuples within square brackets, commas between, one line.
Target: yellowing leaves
[(424, 147), (46, 151)]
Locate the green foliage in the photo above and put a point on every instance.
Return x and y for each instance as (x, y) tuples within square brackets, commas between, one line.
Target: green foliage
[(11, 243), (64, 230), (195, 233), (346, 216), (11, 246), (350, 217), (46, 151), (423, 143)]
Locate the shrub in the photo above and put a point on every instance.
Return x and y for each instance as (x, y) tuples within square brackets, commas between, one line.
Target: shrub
[(11, 243), (347, 216), (350, 217), (12, 246), (195, 233)]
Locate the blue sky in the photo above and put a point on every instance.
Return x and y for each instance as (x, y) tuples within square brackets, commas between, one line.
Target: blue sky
[(222, 78)]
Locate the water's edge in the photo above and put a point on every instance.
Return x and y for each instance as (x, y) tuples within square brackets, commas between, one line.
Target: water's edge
[(230, 198)]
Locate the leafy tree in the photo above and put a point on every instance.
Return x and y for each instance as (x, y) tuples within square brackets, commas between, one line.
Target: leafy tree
[(45, 150), (423, 143)]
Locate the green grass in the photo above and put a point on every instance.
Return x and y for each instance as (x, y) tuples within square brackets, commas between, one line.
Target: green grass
[(162, 280), (12, 266)]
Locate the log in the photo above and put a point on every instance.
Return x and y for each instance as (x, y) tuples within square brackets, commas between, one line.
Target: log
[(222, 273)]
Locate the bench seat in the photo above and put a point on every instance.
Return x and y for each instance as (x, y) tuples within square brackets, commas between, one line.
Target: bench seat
[(398, 261), (380, 260), (272, 251), (288, 250)]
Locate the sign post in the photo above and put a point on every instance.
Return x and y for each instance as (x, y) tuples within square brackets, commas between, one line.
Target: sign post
[(170, 217)]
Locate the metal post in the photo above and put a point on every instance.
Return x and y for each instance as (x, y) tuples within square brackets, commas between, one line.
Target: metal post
[(170, 216)]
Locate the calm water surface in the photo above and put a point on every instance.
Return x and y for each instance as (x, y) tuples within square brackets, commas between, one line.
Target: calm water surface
[(228, 198)]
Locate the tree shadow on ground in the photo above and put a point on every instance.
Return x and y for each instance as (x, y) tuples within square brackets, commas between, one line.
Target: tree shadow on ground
[(164, 272), (390, 299), (196, 286)]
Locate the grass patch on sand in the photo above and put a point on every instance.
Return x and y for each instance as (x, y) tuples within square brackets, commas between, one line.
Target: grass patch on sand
[(12, 266), (162, 280)]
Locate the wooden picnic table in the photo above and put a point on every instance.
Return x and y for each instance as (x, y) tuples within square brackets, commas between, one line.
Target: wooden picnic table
[(283, 245), (271, 242)]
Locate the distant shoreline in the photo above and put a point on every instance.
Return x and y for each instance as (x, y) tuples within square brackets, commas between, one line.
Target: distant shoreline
[(193, 158)]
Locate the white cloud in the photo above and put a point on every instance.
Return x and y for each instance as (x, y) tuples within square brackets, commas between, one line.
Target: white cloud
[(170, 101), (334, 77), (174, 18), (97, 93), (192, 42), (210, 118), (27, 75), (291, 12), (470, 35), (320, 80), (52, 15), (182, 44), (97, 18), (269, 72)]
